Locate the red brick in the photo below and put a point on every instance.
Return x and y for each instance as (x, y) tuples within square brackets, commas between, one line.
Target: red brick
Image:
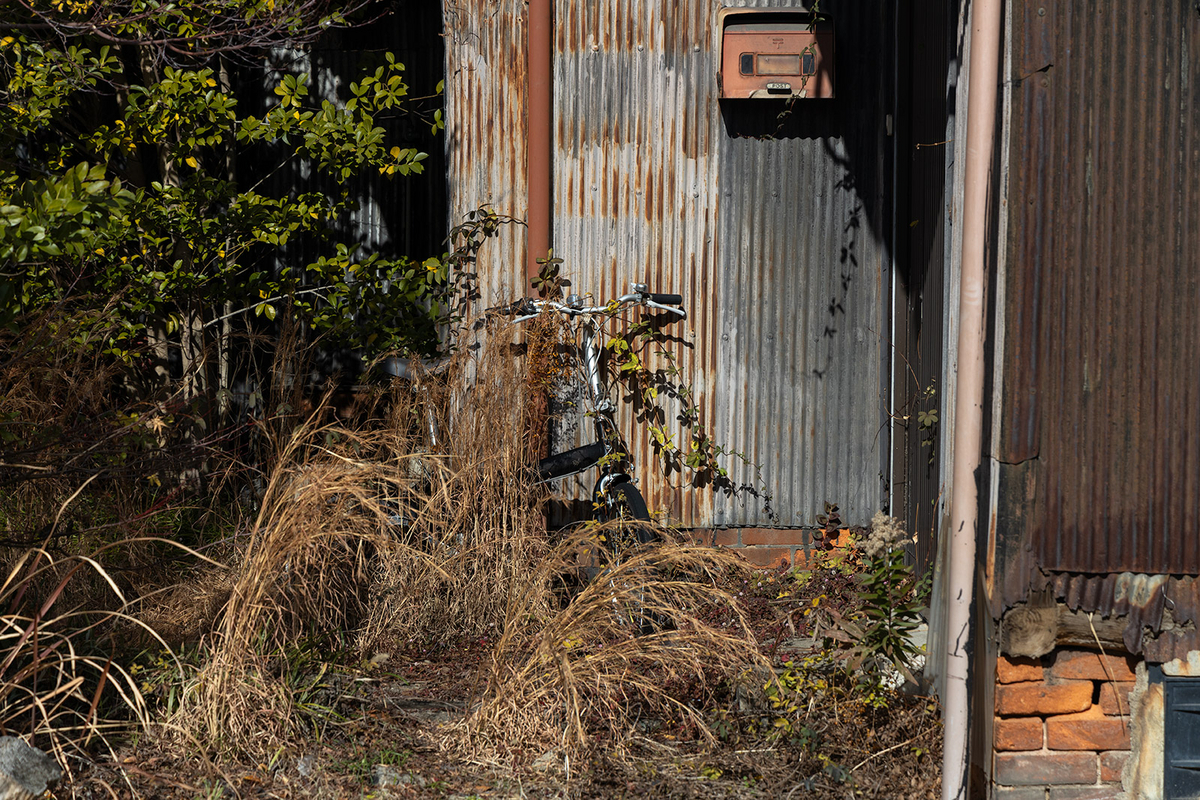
[(1086, 665), (1036, 769), (1029, 699), (1085, 792), (1109, 695), (1090, 730), (721, 537), (1020, 733), (766, 556), (753, 536), (1013, 670), (1112, 763)]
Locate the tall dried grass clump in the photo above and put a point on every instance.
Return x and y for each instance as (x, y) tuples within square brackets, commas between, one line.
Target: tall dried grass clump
[(376, 535), (592, 671), (302, 575), (480, 521)]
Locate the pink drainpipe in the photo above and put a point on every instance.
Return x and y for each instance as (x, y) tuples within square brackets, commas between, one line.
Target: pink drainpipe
[(968, 409)]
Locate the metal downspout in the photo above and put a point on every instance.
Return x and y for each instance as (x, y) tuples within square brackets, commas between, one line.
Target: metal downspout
[(982, 90), (539, 129)]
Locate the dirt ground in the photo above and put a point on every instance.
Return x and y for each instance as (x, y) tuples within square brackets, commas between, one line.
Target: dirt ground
[(388, 735)]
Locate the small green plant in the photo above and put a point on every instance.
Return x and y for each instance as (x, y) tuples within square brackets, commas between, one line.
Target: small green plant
[(212, 790), (161, 676), (549, 281), (892, 598), (796, 689)]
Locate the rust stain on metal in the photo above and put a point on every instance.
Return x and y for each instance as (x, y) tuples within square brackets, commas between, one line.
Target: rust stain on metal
[(485, 130), (1102, 338), (1144, 601), (757, 231)]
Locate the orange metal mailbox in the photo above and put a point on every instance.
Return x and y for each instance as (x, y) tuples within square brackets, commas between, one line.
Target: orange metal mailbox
[(768, 53)]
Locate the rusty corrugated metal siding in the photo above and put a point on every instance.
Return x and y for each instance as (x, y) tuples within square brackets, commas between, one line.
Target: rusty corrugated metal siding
[(773, 230), (485, 131), (1102, 338), (1143, 600)]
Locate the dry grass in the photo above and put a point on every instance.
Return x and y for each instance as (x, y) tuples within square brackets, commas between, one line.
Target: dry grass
[(60, 684), (472, 559), (585, 674), (479, 529), (368, 541), (326, 555)]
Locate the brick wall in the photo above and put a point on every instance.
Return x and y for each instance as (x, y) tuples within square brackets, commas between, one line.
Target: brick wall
[(767, 547), (1062, 726)]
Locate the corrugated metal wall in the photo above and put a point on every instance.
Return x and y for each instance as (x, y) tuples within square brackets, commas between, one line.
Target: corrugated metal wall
[(926, 127), (1102, 340), (773, 229), (485, 130)]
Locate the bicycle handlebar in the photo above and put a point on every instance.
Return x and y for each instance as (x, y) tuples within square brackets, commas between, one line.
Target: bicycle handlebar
[(668, 299), (527, 309)]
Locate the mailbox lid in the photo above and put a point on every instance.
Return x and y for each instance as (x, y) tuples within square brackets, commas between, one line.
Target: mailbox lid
[(776, 59)]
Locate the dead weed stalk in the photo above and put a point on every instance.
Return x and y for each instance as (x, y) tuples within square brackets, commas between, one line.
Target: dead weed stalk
[(61, 684), (586, 674), (373, 533)]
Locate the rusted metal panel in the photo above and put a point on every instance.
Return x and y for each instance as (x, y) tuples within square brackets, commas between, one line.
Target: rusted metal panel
[(804, 282), (772, 229), (1160, 611), (1102, 339), (485, 131)]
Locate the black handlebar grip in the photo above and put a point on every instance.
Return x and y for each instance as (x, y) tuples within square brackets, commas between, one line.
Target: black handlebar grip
[(667, 299)]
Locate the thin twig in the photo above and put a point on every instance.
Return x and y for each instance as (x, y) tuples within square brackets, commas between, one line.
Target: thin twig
[(67, 502), (888, 750), (315, 290), (1111, 678)]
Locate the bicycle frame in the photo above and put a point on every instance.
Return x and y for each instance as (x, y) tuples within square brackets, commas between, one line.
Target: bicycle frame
[(608, 440)]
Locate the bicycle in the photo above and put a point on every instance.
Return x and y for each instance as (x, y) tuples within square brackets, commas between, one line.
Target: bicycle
[(616, 501)]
